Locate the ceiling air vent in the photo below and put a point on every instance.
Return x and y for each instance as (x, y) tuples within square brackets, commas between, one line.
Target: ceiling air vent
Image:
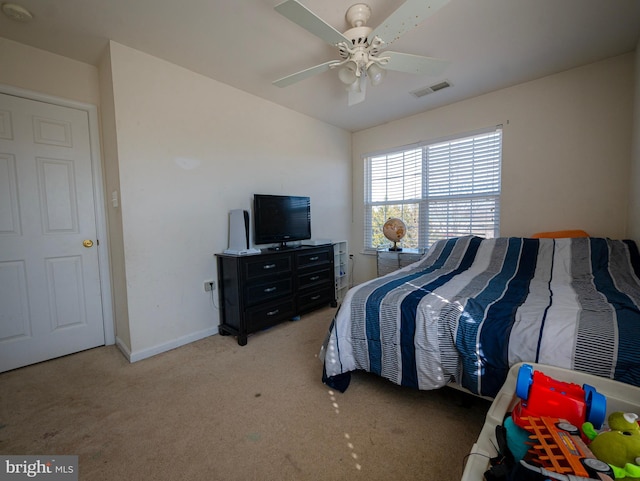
[(428, 90)]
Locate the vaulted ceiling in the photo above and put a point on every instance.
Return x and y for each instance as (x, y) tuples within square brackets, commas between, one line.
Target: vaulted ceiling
[(490, 44)]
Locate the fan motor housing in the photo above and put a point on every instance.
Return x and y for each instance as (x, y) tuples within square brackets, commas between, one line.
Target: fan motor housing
[(358, 35), (358, 15)]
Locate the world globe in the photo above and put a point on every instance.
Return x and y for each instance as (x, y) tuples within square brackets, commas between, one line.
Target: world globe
[(394, 230)]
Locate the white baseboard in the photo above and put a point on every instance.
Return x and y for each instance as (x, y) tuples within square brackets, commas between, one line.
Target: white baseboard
[(164, 347), (123, 348)]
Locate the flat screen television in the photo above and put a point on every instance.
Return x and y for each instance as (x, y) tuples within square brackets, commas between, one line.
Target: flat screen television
[(281, 219)]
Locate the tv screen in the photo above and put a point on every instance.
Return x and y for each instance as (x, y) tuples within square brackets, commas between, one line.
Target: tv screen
[(281, 218)]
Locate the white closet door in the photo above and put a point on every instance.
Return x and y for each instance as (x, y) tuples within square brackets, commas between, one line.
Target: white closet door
[(50, 298)]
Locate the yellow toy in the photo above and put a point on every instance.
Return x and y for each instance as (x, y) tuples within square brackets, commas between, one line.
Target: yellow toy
[(620, 446)]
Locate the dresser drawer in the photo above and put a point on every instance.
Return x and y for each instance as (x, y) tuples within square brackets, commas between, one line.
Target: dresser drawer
[(267, 315), (314, 258), (266, 267), (314, 278), (270, 289), (310, 299)]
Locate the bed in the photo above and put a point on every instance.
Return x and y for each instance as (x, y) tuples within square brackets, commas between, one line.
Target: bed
[(473, 307)]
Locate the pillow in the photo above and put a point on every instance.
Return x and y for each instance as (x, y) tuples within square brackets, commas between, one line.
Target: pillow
[(560, 234)]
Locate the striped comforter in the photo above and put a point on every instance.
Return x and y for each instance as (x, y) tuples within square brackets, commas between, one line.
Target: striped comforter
[(473, 307)]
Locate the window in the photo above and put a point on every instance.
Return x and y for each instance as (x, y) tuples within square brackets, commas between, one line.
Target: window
[(440, 190)]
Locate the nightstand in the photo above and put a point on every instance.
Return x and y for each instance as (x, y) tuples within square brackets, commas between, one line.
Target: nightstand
[(389, 261)]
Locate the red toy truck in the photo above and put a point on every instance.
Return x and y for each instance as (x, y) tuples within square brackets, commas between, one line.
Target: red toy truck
[(541, 395)]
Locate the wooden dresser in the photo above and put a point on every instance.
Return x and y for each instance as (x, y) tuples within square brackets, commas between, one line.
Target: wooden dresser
[(261, 290)]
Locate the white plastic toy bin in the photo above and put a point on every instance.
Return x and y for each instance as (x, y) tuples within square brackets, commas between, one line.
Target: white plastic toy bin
[(620, 397)]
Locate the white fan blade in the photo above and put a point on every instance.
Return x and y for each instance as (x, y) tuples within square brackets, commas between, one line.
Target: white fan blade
[(298, 13), (357, 96), (407, 16), (296, 77), (406, 62)]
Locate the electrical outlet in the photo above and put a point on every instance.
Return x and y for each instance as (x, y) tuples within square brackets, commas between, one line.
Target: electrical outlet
[(209, 286)]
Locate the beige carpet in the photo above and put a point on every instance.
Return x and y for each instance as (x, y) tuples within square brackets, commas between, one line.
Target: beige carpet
[(213, 410)]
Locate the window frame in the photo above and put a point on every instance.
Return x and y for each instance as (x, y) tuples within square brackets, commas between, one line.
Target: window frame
[(426, 200)]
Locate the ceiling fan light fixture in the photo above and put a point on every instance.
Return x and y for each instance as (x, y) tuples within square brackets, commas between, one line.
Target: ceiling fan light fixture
[(375, 73), (348, 73)]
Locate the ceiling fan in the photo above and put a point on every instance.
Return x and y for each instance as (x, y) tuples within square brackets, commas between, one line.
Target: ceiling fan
[(360, 47)]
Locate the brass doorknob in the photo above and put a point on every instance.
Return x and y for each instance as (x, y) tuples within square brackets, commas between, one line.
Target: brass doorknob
[(87, 243)]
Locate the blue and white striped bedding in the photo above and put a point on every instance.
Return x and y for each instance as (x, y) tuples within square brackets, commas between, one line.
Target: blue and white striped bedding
[(473, 307)]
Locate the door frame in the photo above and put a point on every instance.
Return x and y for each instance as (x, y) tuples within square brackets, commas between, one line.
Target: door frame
[(98, 194)]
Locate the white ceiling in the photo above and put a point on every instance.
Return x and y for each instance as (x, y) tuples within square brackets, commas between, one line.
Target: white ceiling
[(491, 44)]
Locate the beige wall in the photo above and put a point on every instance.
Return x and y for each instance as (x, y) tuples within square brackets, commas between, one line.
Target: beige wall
[(46, 73), (114, 214), (634, 193), (189, 150), (566, 151)]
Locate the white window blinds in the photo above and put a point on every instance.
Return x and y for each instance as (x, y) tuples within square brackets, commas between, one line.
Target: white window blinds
[(440, 190)]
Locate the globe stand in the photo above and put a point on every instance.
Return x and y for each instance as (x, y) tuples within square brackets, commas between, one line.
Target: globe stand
[(395, 248)]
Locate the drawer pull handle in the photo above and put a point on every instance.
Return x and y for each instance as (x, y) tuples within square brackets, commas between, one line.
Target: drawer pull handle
[(314, 258), (314, 278), (273, 313), (315, 298), (270, 289), (268, 266)]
